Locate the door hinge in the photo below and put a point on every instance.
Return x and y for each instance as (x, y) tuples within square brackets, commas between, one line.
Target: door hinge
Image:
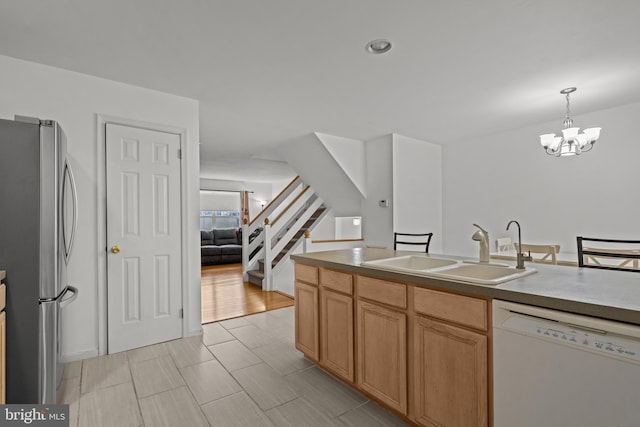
[(181, 313), (179, 153)]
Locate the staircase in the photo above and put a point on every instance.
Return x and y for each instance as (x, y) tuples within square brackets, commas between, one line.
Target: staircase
[(278, 230), (257, 276)]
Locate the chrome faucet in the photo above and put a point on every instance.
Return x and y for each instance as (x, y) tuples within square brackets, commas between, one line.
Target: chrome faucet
[(482, 236), (520, 257)]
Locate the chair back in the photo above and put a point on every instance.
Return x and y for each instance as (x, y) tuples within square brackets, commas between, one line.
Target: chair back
[(503, 244), (548, 252), (412, 239), (609, 254)]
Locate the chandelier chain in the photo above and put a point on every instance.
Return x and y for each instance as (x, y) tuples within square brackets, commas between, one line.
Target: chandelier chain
[(567, 120)]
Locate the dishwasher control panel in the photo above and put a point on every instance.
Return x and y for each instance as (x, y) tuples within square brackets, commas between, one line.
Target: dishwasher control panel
[(575, 335)]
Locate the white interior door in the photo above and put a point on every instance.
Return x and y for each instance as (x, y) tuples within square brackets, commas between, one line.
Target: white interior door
[(143, 237)]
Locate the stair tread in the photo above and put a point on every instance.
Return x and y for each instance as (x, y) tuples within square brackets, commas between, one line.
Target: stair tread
[(255, 273)]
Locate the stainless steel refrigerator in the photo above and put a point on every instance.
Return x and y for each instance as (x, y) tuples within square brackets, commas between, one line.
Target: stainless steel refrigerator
[(38, 219)]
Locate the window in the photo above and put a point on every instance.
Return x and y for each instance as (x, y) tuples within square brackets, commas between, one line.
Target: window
[(219, 219)]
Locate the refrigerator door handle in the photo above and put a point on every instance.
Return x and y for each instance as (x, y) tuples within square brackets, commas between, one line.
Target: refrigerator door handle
[(66, 301), (68, 177)]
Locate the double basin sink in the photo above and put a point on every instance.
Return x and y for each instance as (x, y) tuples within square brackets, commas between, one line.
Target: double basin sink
[(442, 268)]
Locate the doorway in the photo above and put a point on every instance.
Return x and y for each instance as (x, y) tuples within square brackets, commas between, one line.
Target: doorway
[(224, 293)]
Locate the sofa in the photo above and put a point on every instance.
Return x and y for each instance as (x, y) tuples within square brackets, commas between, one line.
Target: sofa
[(220, 246)]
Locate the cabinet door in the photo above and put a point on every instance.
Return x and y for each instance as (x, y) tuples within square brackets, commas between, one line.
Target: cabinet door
[(336, 345), (382, 354), (450, 374), (306, 312)]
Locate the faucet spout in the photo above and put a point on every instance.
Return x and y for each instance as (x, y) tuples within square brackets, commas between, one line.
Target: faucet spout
[(482, 236), (520, 257)]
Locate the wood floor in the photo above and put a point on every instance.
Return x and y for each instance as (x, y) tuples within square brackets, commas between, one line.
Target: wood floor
[(225, 295)]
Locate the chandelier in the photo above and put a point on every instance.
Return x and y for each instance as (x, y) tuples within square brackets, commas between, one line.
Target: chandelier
[(571, 142)]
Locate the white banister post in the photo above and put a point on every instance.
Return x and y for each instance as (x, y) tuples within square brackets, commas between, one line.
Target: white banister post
[(306, 245), (266, 282), (245, 234), (245, 252)]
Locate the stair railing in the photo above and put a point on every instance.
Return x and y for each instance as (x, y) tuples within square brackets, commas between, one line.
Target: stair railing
[(253, 250), (280, 232)]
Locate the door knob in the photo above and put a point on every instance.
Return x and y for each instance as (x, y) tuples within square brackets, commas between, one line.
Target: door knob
[(115, 249)]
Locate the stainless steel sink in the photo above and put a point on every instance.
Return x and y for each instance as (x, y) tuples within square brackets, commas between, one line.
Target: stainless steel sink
[(443, 268)]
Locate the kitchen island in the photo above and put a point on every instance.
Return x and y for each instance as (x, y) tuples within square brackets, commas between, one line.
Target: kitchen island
[(422, 346)]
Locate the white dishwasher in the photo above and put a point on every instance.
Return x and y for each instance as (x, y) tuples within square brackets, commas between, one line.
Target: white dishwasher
[(556, 369)]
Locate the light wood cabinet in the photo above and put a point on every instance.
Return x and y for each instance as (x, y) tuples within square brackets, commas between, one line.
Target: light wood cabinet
[(450, 375), (306, 319), (382, 354), (419, 351), (336, 345)]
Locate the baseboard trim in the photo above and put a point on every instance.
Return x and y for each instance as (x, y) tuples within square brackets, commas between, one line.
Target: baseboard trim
[(72, 357)]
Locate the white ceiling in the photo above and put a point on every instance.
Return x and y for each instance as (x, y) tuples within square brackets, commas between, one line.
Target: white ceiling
[(268, 72)]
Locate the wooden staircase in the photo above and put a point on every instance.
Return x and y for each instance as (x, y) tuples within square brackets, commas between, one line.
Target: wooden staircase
[(257, 276)]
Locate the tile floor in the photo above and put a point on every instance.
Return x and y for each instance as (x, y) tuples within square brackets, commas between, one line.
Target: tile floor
[(240, 372)]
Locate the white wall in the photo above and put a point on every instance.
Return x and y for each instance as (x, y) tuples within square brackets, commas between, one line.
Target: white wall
[(349, 153), (74, 100), (417, 189), (325, 229), (497, 178), (220, 201), (346, 229), (309, 157), (377, 222)]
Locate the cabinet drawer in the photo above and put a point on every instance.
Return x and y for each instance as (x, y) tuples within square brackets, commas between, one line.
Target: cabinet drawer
[(3, 296), (306, 273), (389, 293), (341, 282), (467, 311)]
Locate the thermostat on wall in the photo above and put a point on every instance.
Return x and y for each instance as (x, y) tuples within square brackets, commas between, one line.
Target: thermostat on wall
[(383, 203)]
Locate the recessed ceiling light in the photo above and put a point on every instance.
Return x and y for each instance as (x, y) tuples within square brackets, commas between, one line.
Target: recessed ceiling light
[(379, 46)]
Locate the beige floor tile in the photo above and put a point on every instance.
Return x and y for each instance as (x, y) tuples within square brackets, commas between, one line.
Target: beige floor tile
[(148, 352), (264, 320), (299, 413), (214, 333), (173, 408), (209, 381), (237, 410), (115, 406), (104, 371), (234, 323), (282, 357), (69, 393), (284, 313), (370, 415), (188, 351), (72, 369), (155, 375), (265, 386), (328, 395), (252, 336), (234, 355)]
